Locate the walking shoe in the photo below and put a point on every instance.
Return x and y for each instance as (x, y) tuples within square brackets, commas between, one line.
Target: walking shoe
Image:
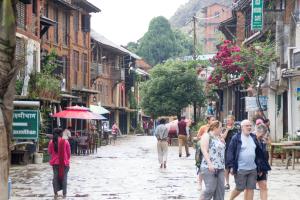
[(179, 155), (187, 155), (161, 165), (227, 187), (165, 165)]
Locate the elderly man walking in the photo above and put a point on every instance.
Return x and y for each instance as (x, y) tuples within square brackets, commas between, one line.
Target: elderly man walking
[(245, 160), (161, 133)]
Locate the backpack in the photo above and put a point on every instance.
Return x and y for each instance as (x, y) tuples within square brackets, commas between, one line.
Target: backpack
[(199, 155)]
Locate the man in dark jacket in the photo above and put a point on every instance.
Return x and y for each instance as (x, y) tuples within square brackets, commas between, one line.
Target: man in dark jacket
[(245, 160)]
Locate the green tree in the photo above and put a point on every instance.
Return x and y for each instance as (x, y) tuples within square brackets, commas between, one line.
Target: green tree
[(172, 86), (158, 44)]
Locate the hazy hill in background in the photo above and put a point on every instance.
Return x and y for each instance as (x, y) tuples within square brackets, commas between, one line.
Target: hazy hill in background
[(184, 13)]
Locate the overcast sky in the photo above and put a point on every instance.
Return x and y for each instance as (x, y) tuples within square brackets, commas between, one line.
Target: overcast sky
[(123, 21)]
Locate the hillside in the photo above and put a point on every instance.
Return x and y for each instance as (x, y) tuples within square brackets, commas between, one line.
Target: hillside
[(184, 13)]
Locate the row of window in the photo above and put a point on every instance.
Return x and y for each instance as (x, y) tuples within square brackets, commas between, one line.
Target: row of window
[(65, 25), (76, 67)]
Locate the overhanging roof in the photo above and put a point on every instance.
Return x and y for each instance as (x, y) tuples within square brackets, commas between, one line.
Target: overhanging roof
[(87, 6), (65, 4), (228, 27), (103, 40)]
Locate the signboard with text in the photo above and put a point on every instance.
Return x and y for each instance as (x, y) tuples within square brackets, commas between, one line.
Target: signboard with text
[(26, 124), (251, 103), (257, 15)]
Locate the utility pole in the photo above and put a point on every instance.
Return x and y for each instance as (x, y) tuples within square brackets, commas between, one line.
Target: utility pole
[(194, 36), (194, 58)]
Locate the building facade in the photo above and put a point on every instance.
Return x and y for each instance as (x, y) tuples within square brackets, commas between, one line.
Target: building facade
[(214, 14), (281, 24)]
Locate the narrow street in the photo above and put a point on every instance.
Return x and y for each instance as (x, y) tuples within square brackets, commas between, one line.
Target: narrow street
[(129, 170)]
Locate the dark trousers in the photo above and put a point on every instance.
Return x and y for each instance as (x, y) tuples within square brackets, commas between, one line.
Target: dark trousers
[(57, 183)]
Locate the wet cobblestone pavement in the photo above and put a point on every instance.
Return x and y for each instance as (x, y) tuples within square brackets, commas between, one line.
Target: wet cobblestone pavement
[(129, 170)]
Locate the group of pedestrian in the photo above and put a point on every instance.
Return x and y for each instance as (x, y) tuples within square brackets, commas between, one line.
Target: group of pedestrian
[(162, 136), (241, 153)]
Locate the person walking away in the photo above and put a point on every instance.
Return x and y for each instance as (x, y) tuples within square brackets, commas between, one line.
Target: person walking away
[(203, 129), (261, 132), (227, 135), (182, 136), (115, 131), (68, 136), (150, 126), (67, 133), (213, 163), (161, 133), (245, 161), (59, 150), (145, 127)]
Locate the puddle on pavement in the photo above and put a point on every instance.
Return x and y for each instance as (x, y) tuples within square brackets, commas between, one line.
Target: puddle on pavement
[(110, 157), (177, 197)]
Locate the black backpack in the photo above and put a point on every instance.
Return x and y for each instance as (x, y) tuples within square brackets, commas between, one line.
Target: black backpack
[(199, 155)]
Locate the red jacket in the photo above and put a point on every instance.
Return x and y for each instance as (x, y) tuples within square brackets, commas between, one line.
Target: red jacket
[(55, 157), (182, 128)]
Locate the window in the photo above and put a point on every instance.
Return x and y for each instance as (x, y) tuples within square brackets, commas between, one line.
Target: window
[(75, 65), (56, 25), (65, 28), (84, 39), (117, 62), (217, 14), (216, 29), (84, 68), (85, 23), (76, 26), (46, 13), (21, 14), (34, 7), (20, 56)]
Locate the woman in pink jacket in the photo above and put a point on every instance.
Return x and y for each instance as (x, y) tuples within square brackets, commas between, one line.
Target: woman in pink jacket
[(59, 150)]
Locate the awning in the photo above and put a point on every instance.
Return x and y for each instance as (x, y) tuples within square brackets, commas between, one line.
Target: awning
[(98, 109), (84, 90), (69, 96)]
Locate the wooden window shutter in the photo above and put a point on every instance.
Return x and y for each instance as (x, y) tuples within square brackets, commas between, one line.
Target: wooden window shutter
[(85, 23), (21, 14)]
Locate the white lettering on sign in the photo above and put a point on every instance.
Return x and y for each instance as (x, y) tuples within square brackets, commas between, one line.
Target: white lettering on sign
[(24, 132), (257, 10), (23, 115), (257, 2)]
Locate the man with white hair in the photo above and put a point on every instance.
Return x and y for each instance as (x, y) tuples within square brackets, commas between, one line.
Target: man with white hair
[(245, 160)]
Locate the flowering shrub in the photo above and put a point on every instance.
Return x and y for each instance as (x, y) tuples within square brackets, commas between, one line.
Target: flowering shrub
[(245, 64)]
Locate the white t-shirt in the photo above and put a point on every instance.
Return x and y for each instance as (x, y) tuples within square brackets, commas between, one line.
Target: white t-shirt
[(66, 134)]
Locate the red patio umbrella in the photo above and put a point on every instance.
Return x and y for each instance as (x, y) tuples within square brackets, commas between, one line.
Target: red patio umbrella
[(78, 112)]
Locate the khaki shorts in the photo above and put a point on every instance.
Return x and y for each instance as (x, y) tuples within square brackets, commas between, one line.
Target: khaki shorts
[(245, 179)]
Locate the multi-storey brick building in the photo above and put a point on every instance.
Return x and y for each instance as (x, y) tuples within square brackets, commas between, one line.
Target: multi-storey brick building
[(27, 40), (70, 37), (111, 78), (215, 14)]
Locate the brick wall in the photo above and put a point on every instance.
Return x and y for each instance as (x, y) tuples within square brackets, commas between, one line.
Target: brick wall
[(82, 46), (240, 30)]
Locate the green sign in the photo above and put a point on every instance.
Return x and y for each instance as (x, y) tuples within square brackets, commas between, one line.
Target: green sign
[(257, 15), (26, 124)]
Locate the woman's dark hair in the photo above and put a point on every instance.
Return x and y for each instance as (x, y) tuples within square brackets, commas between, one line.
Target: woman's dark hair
[(57, 133), (266, 121), (162, 121)]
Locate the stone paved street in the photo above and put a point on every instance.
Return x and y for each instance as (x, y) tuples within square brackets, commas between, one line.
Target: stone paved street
[(129, 170)]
